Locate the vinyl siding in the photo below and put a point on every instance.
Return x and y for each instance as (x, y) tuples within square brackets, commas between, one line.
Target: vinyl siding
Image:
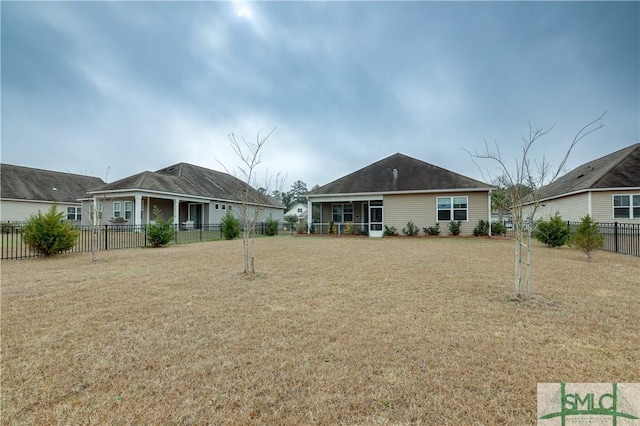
[(20, 211), (570, 208), (575, 207), (602, 203), (421, 209)]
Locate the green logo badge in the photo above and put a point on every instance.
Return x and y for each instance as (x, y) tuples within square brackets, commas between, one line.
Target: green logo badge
[(588, 403)]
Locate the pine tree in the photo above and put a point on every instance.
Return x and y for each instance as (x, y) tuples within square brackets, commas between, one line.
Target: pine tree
[(587, 237)]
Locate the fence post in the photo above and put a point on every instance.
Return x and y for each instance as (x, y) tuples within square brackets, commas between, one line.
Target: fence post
[(615, 236), (106, 237)]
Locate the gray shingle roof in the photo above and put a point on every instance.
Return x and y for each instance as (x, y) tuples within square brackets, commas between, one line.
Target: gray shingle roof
[(398, 173), (25, 183), (620, 169), (187, 179)]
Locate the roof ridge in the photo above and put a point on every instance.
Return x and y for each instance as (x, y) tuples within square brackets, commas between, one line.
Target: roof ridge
[(48, 170)]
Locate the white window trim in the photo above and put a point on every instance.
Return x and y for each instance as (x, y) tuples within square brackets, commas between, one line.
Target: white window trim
[(452, 209), (76, 213), (342, 220), (130, 211), (630, 207), (117, 209)]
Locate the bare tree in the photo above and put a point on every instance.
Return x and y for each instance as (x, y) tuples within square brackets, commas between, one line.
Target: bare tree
[(536, 178), (251, 208), (95, 220)]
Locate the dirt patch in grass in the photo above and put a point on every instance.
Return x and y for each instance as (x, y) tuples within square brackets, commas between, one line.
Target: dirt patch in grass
[(329, 331)]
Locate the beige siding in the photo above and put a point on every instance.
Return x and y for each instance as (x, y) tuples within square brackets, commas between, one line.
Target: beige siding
[(421, 209), (602, 204), (570, 208), (575, 207), (20, 211)]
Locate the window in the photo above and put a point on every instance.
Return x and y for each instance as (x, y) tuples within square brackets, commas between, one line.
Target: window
[(299, 209), (347, 212), (626, 206), (223, 206), (452, 208), (216, 206), (337, 213), (342, 213), (128, 209), (74, 213), (117, 209)]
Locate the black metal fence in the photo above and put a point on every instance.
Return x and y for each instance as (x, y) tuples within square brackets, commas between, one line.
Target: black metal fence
[(618, 237), (621, 238), (109, 237)]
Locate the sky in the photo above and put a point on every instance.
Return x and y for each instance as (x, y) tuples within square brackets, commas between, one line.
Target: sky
[(111, 89)]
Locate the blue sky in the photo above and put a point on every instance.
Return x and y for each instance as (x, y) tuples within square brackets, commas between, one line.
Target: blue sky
[(133, 86)]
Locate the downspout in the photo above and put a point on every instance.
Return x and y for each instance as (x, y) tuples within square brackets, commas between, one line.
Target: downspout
[(489, 209)]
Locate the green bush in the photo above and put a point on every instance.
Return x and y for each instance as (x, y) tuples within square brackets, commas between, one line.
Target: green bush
[(161, 232), (230, 226), (587, 237), (482, 228), (47, 234), (291, 221), (411, 230), (432, 230), (498, 228), (270, 226), (553, 232), (302, 227), (390, 231), (454, 227)]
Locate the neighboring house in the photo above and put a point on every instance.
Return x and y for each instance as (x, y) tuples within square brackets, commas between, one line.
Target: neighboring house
[(396, 190), (193, 196), (299, 210), (26, 191), (607, 189)]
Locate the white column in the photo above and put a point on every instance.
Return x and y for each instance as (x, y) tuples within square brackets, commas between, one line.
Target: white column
[(176, 211), (137, 210), (309, 214)]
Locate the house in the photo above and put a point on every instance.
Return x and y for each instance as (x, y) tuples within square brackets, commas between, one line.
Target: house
[(25, 191), (607, 189), (299, 209), (394, 191), (193, 196)]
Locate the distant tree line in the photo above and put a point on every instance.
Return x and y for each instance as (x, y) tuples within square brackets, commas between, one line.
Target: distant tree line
[(297, 194)]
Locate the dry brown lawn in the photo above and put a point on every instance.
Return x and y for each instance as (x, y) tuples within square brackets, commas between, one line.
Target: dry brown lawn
[(329, 331)]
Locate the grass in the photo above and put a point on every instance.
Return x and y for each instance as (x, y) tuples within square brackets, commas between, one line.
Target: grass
[(329, 331)]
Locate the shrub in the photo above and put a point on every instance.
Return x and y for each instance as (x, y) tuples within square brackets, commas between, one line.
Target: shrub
[(390, 231), (270, 226), (291, 220), (47, 234), (587, 237), (160, 233), (411, 230), (553, 232), (498, 228), (230, 226), (454, 227), (482, 228), (332, 227), (432, 230), (302, 227)]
